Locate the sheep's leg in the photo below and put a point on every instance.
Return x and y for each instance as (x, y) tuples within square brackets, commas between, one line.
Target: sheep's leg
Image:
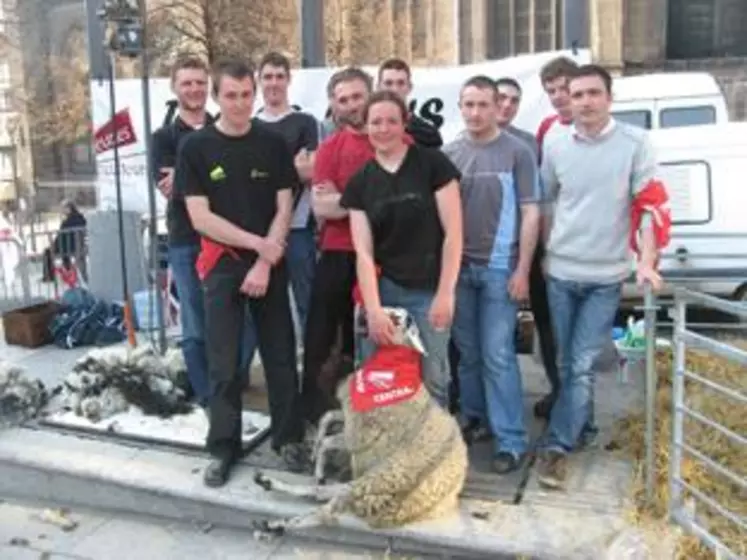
[(326, 421), (321, 516), (319, 493), (330, 443)]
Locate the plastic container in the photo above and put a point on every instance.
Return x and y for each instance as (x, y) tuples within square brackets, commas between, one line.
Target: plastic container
[(144, 305)]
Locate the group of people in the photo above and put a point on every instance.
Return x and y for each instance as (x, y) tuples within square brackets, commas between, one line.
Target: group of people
[(458, 235)]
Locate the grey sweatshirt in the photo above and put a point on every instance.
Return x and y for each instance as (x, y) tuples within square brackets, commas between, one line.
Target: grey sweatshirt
[(592, 182)]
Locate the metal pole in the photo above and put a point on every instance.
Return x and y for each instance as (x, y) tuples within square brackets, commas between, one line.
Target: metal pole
[(649, 321), (678, 396), (312, 34), (118, 187), (150, 174)]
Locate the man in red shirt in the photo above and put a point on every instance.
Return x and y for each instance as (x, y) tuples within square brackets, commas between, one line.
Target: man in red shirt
[(555, 76), (338, 158)]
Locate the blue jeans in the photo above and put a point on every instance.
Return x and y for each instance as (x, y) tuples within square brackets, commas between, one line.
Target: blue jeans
[(300, 261), (182, 259), (489, 379), (582, 315), (436, 343)]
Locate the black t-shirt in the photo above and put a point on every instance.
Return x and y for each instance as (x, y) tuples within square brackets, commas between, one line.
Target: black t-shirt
[(239, 175), (300, 130), (402, 211), (166, 142)]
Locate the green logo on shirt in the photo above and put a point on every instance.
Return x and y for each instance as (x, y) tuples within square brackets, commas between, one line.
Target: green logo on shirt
[(257, 174), (217, 173)]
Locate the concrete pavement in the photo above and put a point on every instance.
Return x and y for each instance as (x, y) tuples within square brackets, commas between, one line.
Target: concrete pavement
[(100, 536)]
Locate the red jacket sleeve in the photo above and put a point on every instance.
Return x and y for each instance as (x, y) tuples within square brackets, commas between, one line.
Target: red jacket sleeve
[(653, 200)]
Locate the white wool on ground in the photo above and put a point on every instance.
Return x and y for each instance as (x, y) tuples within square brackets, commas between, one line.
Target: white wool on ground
[(21, 398), (97, 387)]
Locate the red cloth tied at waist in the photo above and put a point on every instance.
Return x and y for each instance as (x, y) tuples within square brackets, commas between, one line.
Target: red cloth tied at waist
[(210, 253), (654, 200), (391, 375)]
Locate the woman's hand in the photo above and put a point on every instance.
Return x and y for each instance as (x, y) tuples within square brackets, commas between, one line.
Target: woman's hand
[(441, 312), (381, 328)]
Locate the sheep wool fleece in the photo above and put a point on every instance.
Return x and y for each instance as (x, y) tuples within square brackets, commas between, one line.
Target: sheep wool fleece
[(409, 460)]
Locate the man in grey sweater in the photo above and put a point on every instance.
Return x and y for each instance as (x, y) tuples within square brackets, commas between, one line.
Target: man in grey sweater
[(592, 173)]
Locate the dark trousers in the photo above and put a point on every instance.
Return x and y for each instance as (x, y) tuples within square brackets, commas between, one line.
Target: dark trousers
[(541, 312), (225, 307), (330, 315)]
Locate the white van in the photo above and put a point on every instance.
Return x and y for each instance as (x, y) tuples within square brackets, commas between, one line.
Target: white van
[(704, 169), (669, 100)]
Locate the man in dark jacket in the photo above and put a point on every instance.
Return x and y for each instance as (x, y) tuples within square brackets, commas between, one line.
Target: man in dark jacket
[(395, 76)]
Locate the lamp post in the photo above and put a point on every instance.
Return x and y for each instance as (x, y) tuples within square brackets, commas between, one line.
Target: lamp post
[(127, 23)]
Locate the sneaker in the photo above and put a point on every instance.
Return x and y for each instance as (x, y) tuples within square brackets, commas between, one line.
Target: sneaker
[(553, 470), (506, 461), (295, 456), (474, 431)]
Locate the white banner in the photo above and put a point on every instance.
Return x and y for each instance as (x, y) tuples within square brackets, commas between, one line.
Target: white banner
[(434, 98)]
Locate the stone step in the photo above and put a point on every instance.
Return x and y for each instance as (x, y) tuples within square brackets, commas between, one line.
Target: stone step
[(61, 469)]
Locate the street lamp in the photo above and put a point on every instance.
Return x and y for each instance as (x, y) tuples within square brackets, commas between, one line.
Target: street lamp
[(126, 21)]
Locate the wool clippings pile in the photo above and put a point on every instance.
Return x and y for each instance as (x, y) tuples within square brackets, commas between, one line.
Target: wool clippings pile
[(708, 441)]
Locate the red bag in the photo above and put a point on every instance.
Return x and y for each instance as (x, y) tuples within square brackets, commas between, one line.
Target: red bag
[(391, 375)]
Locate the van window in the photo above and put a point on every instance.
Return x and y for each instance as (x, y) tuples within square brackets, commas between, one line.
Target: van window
[(640, 118), (689, 187), (687, 116)]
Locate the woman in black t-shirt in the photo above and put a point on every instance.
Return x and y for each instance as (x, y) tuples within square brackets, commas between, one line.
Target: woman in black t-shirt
[(406, 219)]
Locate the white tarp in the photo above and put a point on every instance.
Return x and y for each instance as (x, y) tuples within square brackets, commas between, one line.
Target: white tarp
[(435, 96)]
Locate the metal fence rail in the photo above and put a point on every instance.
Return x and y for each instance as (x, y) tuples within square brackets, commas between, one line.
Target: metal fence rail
[(41, 265), (684, 339)]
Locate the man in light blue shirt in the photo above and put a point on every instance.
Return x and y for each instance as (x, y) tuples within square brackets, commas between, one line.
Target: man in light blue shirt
[(500, 196)]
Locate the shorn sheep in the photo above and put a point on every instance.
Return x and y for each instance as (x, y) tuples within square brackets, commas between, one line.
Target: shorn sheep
[(408, 458)]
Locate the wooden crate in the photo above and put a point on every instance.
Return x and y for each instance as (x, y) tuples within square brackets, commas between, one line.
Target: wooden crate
[(29, 326)]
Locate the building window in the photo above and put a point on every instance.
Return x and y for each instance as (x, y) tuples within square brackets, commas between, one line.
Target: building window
[(6, 101), (82, 152), (4, 75), (687, 116), (706, 28)]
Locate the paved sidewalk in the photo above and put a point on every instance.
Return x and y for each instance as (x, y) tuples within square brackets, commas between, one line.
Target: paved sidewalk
[(99, 536)]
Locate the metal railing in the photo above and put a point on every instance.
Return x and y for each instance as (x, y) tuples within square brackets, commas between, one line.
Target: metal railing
[(40, 266), (685, 338)]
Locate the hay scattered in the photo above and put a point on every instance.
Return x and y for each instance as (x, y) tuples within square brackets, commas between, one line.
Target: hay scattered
[(708, 441)]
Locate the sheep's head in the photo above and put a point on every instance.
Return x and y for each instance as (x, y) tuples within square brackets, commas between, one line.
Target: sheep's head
[(406, 330), (386, 392)]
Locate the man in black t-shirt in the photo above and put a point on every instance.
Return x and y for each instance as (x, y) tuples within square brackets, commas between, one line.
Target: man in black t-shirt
[(189, 82), (395, 76), (238, 179)]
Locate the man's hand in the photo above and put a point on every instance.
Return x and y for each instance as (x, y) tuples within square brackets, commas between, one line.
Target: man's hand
[(256, 281), (304, 164), (381, 328), (271, 251), (441, 312), (518, 286), (166, 182), (647, 273)]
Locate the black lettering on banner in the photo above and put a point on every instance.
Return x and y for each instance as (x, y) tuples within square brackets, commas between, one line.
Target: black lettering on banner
[(429, 111)]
